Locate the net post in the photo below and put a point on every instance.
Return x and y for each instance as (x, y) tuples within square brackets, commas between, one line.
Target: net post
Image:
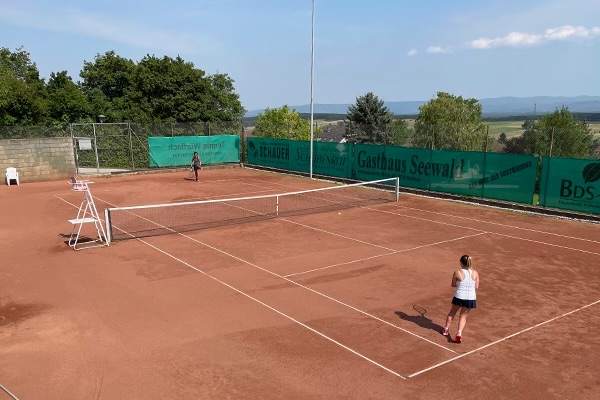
[(108, 225), (397, 184)]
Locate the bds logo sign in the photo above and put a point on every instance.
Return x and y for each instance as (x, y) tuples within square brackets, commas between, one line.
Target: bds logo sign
[(589, 190)]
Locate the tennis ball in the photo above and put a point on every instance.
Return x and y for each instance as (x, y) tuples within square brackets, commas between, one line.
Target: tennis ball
[(339, 213)]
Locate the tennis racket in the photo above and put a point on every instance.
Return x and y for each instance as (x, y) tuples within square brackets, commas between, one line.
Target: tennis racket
[(420, 310), (191, 173)]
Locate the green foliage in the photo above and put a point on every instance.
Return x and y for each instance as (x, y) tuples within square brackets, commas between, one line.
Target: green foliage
[(221, 101), (370, 121), (282, 123), (559, 134), (502, 138), (402, 132), (450, 123), (24, 98), (154, 90), (67, 104)]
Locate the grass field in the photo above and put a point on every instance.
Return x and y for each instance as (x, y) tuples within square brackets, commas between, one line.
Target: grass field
[(510, 128), (515, 128)]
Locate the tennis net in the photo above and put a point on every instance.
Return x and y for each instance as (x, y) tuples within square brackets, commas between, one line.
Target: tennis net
[(161, 219)]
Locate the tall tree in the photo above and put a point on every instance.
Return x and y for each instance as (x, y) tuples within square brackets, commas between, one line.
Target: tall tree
[(24, 98), (558, 133), (106, 80), (67, 103), (172, 89), (222, 102), (282, 123), (450, 123), (402, 132), (369, 121)]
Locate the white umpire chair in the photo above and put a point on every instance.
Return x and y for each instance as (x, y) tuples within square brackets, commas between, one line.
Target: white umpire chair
[(11, 175), (87, 214)]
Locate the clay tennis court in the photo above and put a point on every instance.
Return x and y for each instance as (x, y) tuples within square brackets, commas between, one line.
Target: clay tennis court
[(313, 306)]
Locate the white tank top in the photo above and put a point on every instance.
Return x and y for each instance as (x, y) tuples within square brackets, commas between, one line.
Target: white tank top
[(465, 289)]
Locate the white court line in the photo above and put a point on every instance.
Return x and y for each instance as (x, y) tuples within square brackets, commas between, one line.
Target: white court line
[(254, 298), (480, 221), (547, 244), (300, 285), (490, 232), (12, 395), (385, 254), (503, 339), (337, 234), (499, 224)]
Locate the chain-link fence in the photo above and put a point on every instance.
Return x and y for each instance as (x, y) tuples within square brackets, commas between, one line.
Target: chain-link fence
[(124, 146), (118, 146)]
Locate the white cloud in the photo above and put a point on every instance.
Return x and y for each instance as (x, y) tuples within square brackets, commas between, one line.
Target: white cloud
[(568, 32), (517, 39), (412, 52), (439, 50)]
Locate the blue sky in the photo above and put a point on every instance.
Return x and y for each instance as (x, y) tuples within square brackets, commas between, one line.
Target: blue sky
[(400, 50)]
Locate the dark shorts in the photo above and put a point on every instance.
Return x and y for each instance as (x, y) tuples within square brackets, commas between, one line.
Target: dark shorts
[(464, 303), (196, 167)]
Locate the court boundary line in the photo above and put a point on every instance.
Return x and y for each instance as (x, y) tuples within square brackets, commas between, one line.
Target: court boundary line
[(474, 219), (408, 208), (254, 298), (385, 254), (499, 224), (336, 234), (299, 285), (492, 233), (503, 339), (8, 392)]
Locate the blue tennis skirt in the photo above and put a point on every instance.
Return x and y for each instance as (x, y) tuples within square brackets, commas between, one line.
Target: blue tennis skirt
[(464, 303)]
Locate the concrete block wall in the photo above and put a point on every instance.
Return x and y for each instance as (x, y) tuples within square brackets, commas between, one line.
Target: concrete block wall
[(40, 159)]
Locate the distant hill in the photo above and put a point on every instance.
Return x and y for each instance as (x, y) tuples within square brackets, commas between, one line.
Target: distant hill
[(501, 106)]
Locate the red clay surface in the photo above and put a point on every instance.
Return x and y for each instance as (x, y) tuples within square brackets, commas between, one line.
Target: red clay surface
[(315, 306)]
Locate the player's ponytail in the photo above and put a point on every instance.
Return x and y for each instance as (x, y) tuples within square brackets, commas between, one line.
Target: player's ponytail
[(466, 261)]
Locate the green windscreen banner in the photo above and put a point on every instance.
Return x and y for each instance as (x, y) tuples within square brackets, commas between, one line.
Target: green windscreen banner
[(274, 153), (571, 184), (330, 159), (509, 177), (178, 151)]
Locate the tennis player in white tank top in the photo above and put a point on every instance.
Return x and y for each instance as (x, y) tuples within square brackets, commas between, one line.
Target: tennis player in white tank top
[(466, 282)]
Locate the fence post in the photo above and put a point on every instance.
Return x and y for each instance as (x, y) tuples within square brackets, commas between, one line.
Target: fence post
[(73, 141), (130, 145), (432, 137), (96, 149), (487, 137), (551, 142)]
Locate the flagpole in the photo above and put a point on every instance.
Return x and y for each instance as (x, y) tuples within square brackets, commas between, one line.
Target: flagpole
[(312, 78)]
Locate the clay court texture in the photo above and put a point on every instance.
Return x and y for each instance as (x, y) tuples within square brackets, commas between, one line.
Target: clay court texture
[(313, 306)]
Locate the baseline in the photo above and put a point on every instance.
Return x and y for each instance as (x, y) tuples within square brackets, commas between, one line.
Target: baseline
[(503, 339)]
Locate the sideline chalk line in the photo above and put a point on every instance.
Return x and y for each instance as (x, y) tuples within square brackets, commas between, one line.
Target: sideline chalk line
[(255, 299)]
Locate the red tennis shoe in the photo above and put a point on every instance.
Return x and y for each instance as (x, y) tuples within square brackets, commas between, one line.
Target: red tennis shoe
[(458, 338)]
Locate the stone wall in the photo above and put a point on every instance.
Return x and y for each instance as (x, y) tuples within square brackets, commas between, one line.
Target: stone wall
[(40, 159)]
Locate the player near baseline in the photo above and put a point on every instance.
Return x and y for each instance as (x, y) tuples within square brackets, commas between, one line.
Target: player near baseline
[(466, 282), (196, 164)]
